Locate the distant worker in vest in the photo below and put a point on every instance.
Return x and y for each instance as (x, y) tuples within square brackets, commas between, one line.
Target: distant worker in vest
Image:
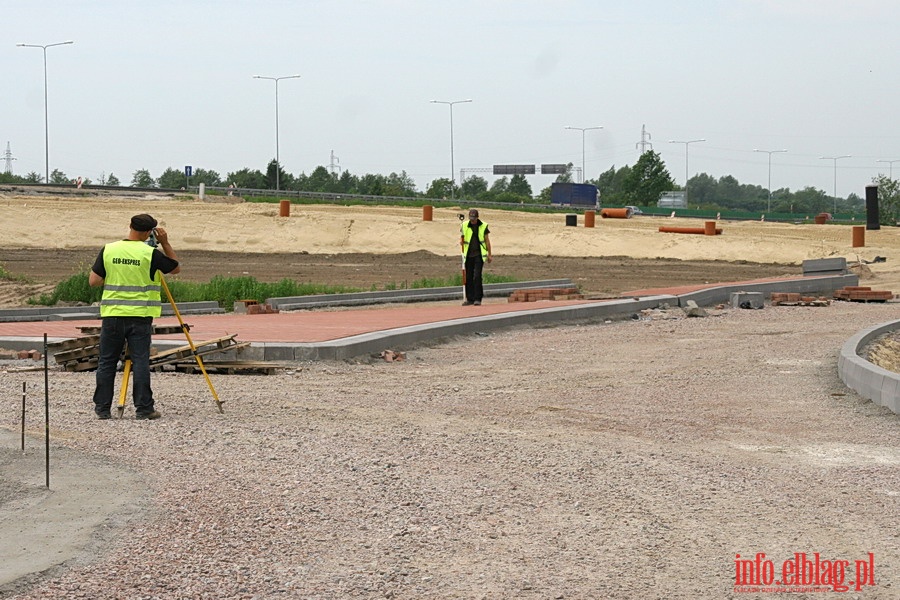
[(476, 248), (129, 271)]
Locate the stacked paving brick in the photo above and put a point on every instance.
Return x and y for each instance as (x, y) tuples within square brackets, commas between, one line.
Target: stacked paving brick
[(795, 299), (855, 293), (261, 309), (252, 307), (534, 295)]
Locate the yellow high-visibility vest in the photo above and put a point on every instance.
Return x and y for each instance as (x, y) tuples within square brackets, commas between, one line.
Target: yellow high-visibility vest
[(466, 232), (128, 290)]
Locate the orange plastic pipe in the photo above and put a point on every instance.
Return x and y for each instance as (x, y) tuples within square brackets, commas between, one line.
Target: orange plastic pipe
[(614, 213), (698, 230)]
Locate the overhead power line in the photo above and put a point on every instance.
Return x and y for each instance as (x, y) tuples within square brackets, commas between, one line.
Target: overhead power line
[(645, 143)]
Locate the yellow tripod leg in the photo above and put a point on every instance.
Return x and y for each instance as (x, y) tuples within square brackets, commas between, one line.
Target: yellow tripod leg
[(125, 373), (187, 335)]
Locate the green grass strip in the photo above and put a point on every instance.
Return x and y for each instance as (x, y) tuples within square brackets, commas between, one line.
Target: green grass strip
[(228, 290)]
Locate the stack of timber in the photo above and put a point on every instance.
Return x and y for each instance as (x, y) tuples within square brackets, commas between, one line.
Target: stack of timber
[(83, 354)]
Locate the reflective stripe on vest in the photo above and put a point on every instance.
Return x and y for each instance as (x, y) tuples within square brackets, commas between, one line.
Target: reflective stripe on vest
[(128, 290), (467, 236)]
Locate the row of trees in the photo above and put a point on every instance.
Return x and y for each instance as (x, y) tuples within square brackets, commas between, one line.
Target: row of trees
[(640, 185), (57, 177), (634, 185)]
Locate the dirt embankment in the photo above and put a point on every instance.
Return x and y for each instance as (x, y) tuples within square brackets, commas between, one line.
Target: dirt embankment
[(365, 246), (44, 268)]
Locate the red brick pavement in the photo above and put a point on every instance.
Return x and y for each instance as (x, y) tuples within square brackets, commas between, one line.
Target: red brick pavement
[(325, 325), (297, 326)]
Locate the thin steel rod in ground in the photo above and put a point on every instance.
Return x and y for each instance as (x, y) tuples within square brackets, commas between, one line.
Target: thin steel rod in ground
[(24, 384), (46, 413)]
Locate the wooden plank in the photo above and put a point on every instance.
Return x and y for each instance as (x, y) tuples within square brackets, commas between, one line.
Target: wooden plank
[(76, 354), (79, 342), (82, 354), (183, 349), (169, 329), (169, 359), (228, 367), (78, 366), (186, 353)]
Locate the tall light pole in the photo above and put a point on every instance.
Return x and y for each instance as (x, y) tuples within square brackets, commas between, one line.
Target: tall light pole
[(46, 119), (687, 144), (452, 165), (277, 155), (891, 167), (835, 159), (582, 130), (770, 153)]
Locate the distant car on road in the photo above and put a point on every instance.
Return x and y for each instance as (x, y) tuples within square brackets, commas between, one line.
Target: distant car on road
[(634, 210)]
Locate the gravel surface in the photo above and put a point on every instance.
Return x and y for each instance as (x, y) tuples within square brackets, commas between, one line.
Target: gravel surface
[(632, 459)]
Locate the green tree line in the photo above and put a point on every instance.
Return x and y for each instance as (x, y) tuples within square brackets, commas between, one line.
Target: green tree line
[(642, 184), (639, 185)]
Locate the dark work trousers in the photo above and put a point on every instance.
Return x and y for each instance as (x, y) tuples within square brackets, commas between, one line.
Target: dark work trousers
[(474, 287), (114, 332)]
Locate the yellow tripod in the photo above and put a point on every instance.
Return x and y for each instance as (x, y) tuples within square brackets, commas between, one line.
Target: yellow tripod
[(184, 328)]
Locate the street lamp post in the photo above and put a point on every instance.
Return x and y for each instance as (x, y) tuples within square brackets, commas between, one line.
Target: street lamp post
[(770, 153), (452, 165), (687, 144), (890, 167), (582, 130), (277, 155), (46, 119), (835, 159)]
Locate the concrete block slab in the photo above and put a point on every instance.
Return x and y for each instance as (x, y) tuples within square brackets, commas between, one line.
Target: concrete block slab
[(818, 266), (747, 300)]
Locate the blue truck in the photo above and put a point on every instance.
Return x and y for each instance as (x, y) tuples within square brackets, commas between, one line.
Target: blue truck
[(574, 194)]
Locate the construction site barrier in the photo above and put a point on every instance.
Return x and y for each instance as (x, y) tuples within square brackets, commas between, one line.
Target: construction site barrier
[(284, 208), (614, 213), (859, 236), (427, 212), (698, 230), (589, 216)]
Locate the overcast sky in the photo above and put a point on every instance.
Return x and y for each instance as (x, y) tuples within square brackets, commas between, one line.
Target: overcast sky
[(152, 85)]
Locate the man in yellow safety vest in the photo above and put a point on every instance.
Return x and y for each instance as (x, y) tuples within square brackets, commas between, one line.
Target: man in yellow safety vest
[(475, 241), (129, 271)]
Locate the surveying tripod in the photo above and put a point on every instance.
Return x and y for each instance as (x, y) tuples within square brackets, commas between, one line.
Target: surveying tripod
[(126, 372)]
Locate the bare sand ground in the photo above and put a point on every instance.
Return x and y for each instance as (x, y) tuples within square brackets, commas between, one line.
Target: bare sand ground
[(30, 222), (47, 239)]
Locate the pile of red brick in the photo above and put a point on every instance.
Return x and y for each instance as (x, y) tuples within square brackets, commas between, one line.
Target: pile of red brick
[(261, 309), (253, 307), (534, 295), (795, 299), (855, 293)]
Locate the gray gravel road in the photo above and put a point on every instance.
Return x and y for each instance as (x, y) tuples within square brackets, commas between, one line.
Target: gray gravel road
[(633, 459)]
